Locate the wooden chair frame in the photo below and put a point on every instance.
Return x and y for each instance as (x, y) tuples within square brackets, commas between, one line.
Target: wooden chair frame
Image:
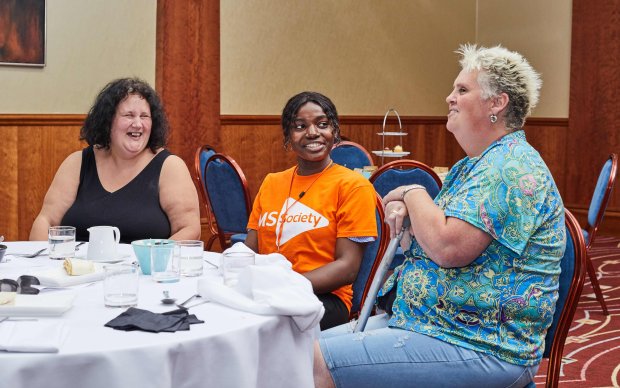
[(203, 195), (384, 240), (570, 305), (406, 164), (356, 145), (223, 235), (592, 229)]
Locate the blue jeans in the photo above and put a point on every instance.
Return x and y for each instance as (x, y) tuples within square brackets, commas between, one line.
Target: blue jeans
[(382, 356)]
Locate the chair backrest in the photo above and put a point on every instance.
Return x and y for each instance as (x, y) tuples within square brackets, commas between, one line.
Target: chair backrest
[(572, 278), (351, 155), (203, 153), (228, 196), (601, 197), (370, 262), (405, 172)]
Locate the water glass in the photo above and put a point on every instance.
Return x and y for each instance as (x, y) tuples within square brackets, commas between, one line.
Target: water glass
[(120, 285), (61, 242), (164, 262), (233, 263), (190, 257)]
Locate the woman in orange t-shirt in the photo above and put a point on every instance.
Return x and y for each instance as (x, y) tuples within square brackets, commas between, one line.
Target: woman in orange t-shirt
[(318, 214)]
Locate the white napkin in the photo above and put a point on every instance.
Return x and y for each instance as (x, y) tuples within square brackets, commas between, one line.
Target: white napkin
[(270, 259), (269, 290), (238, 247), (32, 337), (58, 277)]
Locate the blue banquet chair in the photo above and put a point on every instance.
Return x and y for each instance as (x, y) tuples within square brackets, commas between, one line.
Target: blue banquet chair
[(203, 153), (596, 211), (572, 278), (351, 155), (229, 198), (404, 172), (370, 262)]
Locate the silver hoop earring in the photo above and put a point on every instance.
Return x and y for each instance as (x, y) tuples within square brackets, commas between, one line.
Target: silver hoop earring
[(493, 118)]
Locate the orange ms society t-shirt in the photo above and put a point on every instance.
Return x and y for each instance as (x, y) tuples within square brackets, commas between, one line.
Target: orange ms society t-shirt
[(339, 203)]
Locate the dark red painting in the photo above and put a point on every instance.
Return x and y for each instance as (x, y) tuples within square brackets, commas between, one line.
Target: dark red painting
[(22, 32)]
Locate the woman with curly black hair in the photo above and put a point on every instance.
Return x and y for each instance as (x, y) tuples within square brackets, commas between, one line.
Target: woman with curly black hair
[(125, 177)]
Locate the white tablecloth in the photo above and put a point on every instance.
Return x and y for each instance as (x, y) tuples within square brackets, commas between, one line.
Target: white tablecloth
[(231, 349)]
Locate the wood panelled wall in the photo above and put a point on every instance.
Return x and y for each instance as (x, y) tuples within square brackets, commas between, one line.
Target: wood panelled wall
[(594, 118), (35, 145), (255, 142)]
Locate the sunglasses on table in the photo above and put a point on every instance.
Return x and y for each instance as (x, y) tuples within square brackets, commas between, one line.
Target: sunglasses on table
[(23, 285)]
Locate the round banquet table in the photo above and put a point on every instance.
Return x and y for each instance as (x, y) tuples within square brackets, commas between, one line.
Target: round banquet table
[(231, 349)]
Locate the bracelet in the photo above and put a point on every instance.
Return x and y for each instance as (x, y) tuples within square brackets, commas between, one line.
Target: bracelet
[(408, 189)]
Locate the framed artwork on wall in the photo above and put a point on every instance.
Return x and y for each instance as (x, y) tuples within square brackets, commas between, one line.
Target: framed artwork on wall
[(22, 32)]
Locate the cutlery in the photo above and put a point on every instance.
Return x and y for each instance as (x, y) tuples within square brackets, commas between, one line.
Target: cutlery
[(182, 305), (211, 264), (28, 255), (17, 319), (167, 299)]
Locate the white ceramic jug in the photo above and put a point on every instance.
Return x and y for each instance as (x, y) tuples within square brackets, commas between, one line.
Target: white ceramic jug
[(102, 242)]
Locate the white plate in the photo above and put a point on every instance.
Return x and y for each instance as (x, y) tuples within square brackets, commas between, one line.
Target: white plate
[(41, 305), (392, 133), (58, 277), (391, 153), (119, 257)]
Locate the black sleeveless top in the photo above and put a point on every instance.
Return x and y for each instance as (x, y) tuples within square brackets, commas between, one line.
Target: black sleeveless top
[(134, 209)]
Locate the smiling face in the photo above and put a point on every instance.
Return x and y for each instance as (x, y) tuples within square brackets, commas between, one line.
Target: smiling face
[(312, 137), (467, 111), (131, 126)]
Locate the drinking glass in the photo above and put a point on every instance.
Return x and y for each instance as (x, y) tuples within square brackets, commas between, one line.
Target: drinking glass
[(120, 285), (233, 263), (190, 257), (61, 241), (164, 262)]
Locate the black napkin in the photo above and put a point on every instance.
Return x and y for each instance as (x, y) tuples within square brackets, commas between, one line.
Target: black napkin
[(138, 319)]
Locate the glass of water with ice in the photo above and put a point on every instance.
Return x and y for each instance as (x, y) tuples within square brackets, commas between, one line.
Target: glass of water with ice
[(61, 242)]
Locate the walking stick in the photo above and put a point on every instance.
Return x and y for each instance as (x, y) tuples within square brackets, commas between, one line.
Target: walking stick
[(378, 279)]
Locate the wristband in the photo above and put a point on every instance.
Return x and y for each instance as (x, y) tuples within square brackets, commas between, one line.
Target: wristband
[(409, 188)]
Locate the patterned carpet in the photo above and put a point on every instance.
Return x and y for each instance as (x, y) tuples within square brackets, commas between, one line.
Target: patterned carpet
[(592, 351)]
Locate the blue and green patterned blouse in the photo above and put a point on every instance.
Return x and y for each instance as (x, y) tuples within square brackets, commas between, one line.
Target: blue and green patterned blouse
[(503, 302)]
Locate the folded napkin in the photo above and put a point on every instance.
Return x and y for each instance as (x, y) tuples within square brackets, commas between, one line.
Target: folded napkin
[(58, 277), (144, 320), (269, 290), (32, 336), (270, 259)]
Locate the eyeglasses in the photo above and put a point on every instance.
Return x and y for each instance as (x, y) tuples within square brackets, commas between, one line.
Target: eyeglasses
[(23, 285)]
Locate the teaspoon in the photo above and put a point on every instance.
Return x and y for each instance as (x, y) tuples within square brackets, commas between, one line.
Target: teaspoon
[(167, 299)]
